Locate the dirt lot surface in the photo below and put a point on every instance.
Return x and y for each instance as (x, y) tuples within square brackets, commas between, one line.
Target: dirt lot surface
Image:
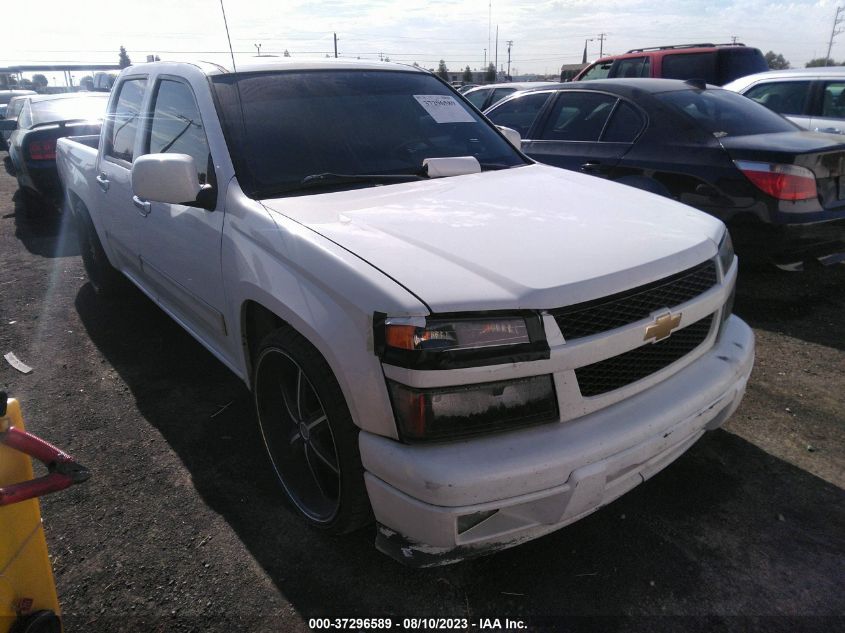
[(181, 527)]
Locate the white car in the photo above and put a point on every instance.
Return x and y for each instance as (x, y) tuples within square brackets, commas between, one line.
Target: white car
[(471, 348), (813, 98), (482, 97)]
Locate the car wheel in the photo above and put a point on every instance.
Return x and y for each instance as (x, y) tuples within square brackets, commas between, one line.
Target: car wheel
[(105, 278), (309, 435)]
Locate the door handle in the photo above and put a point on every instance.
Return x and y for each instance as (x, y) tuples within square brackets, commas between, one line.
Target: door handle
[(595, 168), (143, 206), (102, 181), (828, 130)]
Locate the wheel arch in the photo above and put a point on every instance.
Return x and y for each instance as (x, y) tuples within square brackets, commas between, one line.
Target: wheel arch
[(260, 315)]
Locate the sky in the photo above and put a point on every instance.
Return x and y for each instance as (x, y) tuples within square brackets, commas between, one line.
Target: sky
[(545, 34)]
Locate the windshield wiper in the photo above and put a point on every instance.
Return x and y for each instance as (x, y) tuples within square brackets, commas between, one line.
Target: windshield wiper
[(328, 180)]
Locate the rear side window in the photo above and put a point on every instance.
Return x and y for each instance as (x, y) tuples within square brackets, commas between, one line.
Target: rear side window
[(15, 106), (632, 67), (501, 93), (477, 97), (177, 127), (783, 97), (724, 113), (599, 71), (25, 116), (578, 116), (690, 66), (624, 126), (733, 63), (124, 120), (833, 103), (520, 112)]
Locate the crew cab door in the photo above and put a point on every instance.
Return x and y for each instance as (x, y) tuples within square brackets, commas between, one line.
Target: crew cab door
[(122, 218), (180, 244)]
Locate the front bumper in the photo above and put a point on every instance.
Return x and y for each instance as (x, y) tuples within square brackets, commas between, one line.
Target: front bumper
[(432, 501)]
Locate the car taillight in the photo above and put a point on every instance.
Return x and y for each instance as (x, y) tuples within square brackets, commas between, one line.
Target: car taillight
[(784, 182), (42, 150)]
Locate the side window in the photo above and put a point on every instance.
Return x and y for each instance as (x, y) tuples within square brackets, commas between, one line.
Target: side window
[(25, 117), (123, 121), (624, 126), (833, 104), (519, 113), (578, 116), (599, 70), (784, 97), (477, 97), (500, 93), (690, 66), (176, 126), (632, 67)]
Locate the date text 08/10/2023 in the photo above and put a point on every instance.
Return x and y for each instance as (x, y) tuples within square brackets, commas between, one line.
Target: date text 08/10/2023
[(414, 624)]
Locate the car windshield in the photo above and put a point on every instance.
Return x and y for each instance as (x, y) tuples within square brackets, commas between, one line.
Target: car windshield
[(284, 126), (724, 113), (68, 109)]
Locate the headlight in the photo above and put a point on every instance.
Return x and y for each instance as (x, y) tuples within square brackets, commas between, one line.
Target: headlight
[(447, 334), (726, 259), (456, 341), (452, 412), (726, 253)]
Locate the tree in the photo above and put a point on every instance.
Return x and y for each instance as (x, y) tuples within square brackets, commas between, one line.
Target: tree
[(821, 61), (415, 65), (442, 71), (87, 82), (490, 75), (123, 60), (776, 61), (39, 82), (467, 75), (286, 53)]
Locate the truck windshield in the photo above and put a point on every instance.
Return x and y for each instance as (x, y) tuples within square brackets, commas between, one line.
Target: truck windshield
[(284, 126)]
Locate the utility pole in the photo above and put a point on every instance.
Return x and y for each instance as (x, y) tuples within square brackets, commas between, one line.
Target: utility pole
[(834, 32), (489, 29), (601, 39), (335, 45), (497, 50), (733, 39), (485, 59), (258, 48), (510, 43)]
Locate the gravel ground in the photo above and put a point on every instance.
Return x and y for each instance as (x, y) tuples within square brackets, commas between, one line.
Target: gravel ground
[(182, 527)]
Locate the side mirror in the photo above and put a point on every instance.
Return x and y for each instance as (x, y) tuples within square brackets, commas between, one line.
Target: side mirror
[(8, 125), (170, 178), (512, 136)]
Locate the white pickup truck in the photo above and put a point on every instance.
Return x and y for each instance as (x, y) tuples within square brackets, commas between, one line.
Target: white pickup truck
[(439, 333)]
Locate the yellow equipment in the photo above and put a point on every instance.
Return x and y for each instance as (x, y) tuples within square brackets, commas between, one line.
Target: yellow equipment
[(28, 601)]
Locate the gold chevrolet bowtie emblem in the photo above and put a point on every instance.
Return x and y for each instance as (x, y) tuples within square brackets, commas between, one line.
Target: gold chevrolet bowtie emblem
[(662, 327)]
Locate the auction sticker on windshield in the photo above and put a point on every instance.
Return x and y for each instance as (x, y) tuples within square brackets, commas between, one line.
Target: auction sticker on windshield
[(444, 109)]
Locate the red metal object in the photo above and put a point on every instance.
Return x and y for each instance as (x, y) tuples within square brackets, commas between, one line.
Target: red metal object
[(63, 470)]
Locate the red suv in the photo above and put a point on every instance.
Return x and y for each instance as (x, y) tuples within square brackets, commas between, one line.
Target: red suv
[(714, 63)]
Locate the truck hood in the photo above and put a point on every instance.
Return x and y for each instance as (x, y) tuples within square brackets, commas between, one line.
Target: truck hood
[(529, 237)]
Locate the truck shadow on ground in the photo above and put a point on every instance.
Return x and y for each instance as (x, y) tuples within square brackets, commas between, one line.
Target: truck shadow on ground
[(42, 230), (805, 305), (726, 529)]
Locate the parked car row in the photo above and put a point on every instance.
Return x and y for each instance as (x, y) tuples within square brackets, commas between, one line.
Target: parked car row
[(777, 185)]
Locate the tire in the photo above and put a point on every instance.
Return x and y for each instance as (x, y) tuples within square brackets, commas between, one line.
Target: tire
[(106, 280), (308, 433)]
